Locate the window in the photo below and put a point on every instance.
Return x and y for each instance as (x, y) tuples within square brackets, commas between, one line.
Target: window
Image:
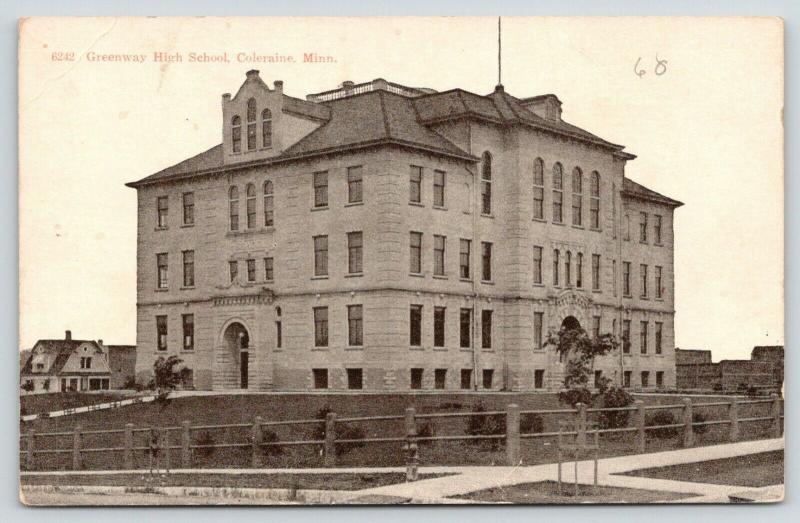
[(645, 379), (321, 189), (555, 267), (354, 184), (439, 378), (626, 336), (538, 189), (466, 379), (558, 193), (614, 275), (657, 228), (537, 264), (415, 326), (598, 376), (236, 133), (627, 227), (320, 255), (188, 268), (643, 227), (438, 255), (538, 379), (269, 271), (463, 258), (320, 326), (161, 333), (579, 271), (188, 208), (438, 188), (233, 202), (438, 326), (251, 270), (251, 124), (233, 269), (595, 272), (416, 379), (355, 248), (266, 128), (278, 329), (596, 326), (614, 209), (488, 375), (86, 363), (577, 196), (626, 278), (594, 202), (188, 331), (626, 381), (415, 184), (269, 205), (659, 334), (320, 378), (643, 272), (486, 248), (659, 282), (643, 337), (660, 379), (415, 252), (538, 327), (486, 329), (162, 261), (162, 204), (465, 328), (486, 183), (568, 269), (250, 204), (355, 378), (355, 325)]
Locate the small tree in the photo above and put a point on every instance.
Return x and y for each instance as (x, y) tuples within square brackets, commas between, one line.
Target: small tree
[(27, 386), (166, 377)]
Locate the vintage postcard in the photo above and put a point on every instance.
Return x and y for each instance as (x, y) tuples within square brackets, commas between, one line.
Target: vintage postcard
[(400, 260)]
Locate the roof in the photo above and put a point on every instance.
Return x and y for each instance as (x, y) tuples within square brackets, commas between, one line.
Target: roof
[(62, 349), (636, 190)]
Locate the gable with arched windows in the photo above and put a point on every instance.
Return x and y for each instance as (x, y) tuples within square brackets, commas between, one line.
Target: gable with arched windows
[(577, 196), (486, 183), (251, 124), (236, 133), (269, 211), (233, 208), (266, 128), (250, 205)]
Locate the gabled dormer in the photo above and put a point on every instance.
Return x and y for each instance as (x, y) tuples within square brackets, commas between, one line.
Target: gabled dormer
[(260, 122), (546, 106)]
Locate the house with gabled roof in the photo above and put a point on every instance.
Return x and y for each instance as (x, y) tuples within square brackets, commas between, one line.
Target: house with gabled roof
[(65, 365)]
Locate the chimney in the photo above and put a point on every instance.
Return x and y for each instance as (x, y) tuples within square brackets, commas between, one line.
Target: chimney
[(252, 73), (99, 342), (278, 86), (68, 335)]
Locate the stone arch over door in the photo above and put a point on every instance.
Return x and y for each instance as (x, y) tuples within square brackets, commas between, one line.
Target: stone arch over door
[(232, 361)]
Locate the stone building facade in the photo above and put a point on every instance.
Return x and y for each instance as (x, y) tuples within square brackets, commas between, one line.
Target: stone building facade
[(383, 237)]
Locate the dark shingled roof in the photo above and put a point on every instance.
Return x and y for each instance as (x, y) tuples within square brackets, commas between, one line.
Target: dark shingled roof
[(61, 348), (636, 190)]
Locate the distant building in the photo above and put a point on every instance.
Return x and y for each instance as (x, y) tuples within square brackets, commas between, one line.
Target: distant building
[(121, 364), (66, 365), (696, 371)]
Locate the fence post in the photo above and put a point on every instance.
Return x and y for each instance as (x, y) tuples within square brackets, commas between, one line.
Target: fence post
[(733, 411), (127, 454), (512, 434), (76, 449), (580, 425), (330, 439), (412, 458), (688, 429), (641, 437), (776, 416), (166, 446), (29, 463), (256, 437), (186, 442)]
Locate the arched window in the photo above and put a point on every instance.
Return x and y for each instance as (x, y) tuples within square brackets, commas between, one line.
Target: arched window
[(568, 269), (579, 271), (250, 201), (278, 329), (558, 193), (266, 128), (594, 202), (251, 124), (236, 133), (577, 196), (233, 203), (486, 183), (538, 189), (269, 213), (555, 267)]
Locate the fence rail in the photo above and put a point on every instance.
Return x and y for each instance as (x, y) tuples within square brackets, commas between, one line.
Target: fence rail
[(161, 437)]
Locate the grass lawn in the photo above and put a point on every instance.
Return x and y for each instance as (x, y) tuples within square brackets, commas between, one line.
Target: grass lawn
[(753, 470), (332, 481), (37, 403), (546, 492)]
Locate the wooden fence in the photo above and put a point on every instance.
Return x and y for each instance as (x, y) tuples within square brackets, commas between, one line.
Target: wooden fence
[(175, 447)]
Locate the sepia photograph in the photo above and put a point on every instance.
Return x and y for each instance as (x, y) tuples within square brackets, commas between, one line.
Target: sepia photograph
[(401, 260)]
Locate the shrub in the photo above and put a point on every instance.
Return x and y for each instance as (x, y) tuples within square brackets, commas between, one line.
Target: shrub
[(662, 417), (268, 436), (205, 438), (717, 387), (485, 425), (572, 397), (27, 386), (752, 392), (531, 424), (699, 417), (426, 430), (451, 405), (343, 431), (615, 397)]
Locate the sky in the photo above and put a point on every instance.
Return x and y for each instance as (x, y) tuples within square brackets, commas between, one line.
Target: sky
[(707, 131)]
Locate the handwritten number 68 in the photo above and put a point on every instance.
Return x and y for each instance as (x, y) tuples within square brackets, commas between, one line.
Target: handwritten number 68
[(659, 69)]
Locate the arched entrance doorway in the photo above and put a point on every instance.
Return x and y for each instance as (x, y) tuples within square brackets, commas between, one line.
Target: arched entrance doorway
[(570, 323), (237, 341)]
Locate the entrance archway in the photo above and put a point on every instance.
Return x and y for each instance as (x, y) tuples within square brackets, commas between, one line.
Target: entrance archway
[(570, 323), (237, 341)]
